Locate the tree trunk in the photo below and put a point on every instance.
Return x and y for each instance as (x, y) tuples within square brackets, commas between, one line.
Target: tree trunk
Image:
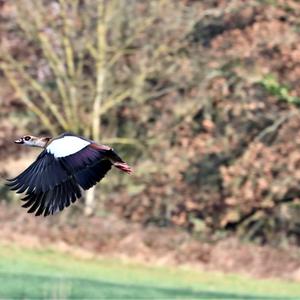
[(89, 201), (100, 90)]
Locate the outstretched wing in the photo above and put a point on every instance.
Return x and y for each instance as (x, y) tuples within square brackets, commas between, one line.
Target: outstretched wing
[(52, 183), (41, 176)]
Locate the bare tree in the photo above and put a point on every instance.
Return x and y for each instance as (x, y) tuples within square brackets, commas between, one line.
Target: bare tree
[(81, 60)]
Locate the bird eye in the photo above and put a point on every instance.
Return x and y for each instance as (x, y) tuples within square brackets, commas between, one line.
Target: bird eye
[(27, 138)]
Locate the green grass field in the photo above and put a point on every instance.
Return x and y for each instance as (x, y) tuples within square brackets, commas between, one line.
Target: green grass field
[(27, 274)]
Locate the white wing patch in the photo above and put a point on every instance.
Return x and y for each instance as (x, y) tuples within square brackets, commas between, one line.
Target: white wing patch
[(66, 146)]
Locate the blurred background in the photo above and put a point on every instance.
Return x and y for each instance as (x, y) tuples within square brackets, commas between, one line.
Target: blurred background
[(202, 99)]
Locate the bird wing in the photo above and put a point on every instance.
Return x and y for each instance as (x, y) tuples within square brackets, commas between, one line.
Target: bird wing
[(52, 183)]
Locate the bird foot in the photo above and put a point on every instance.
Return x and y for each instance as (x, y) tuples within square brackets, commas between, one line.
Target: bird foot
[(123, 167)]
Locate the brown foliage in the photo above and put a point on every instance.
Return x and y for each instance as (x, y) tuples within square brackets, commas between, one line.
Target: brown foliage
[(232, 164)]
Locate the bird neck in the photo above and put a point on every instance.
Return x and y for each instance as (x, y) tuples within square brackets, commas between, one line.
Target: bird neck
[(41, 142)]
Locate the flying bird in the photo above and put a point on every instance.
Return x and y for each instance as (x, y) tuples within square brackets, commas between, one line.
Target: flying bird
[(68, 164)]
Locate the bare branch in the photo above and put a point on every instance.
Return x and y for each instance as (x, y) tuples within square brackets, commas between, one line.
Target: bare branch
[(26, 100)]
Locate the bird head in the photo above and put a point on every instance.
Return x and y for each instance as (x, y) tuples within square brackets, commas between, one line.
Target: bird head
[(33, 141)]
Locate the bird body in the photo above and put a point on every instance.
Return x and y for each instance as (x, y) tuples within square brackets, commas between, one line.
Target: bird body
[(68, 164)]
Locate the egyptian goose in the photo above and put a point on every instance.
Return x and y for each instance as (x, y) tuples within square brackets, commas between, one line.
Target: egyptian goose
[(67, 164)]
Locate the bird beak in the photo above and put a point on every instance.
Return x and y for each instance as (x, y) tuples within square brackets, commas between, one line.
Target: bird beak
[(19, 141)]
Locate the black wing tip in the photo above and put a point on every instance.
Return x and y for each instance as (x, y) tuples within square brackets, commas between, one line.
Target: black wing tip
[(11, 179), (52, 201), (36, 210), (10, 182)]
